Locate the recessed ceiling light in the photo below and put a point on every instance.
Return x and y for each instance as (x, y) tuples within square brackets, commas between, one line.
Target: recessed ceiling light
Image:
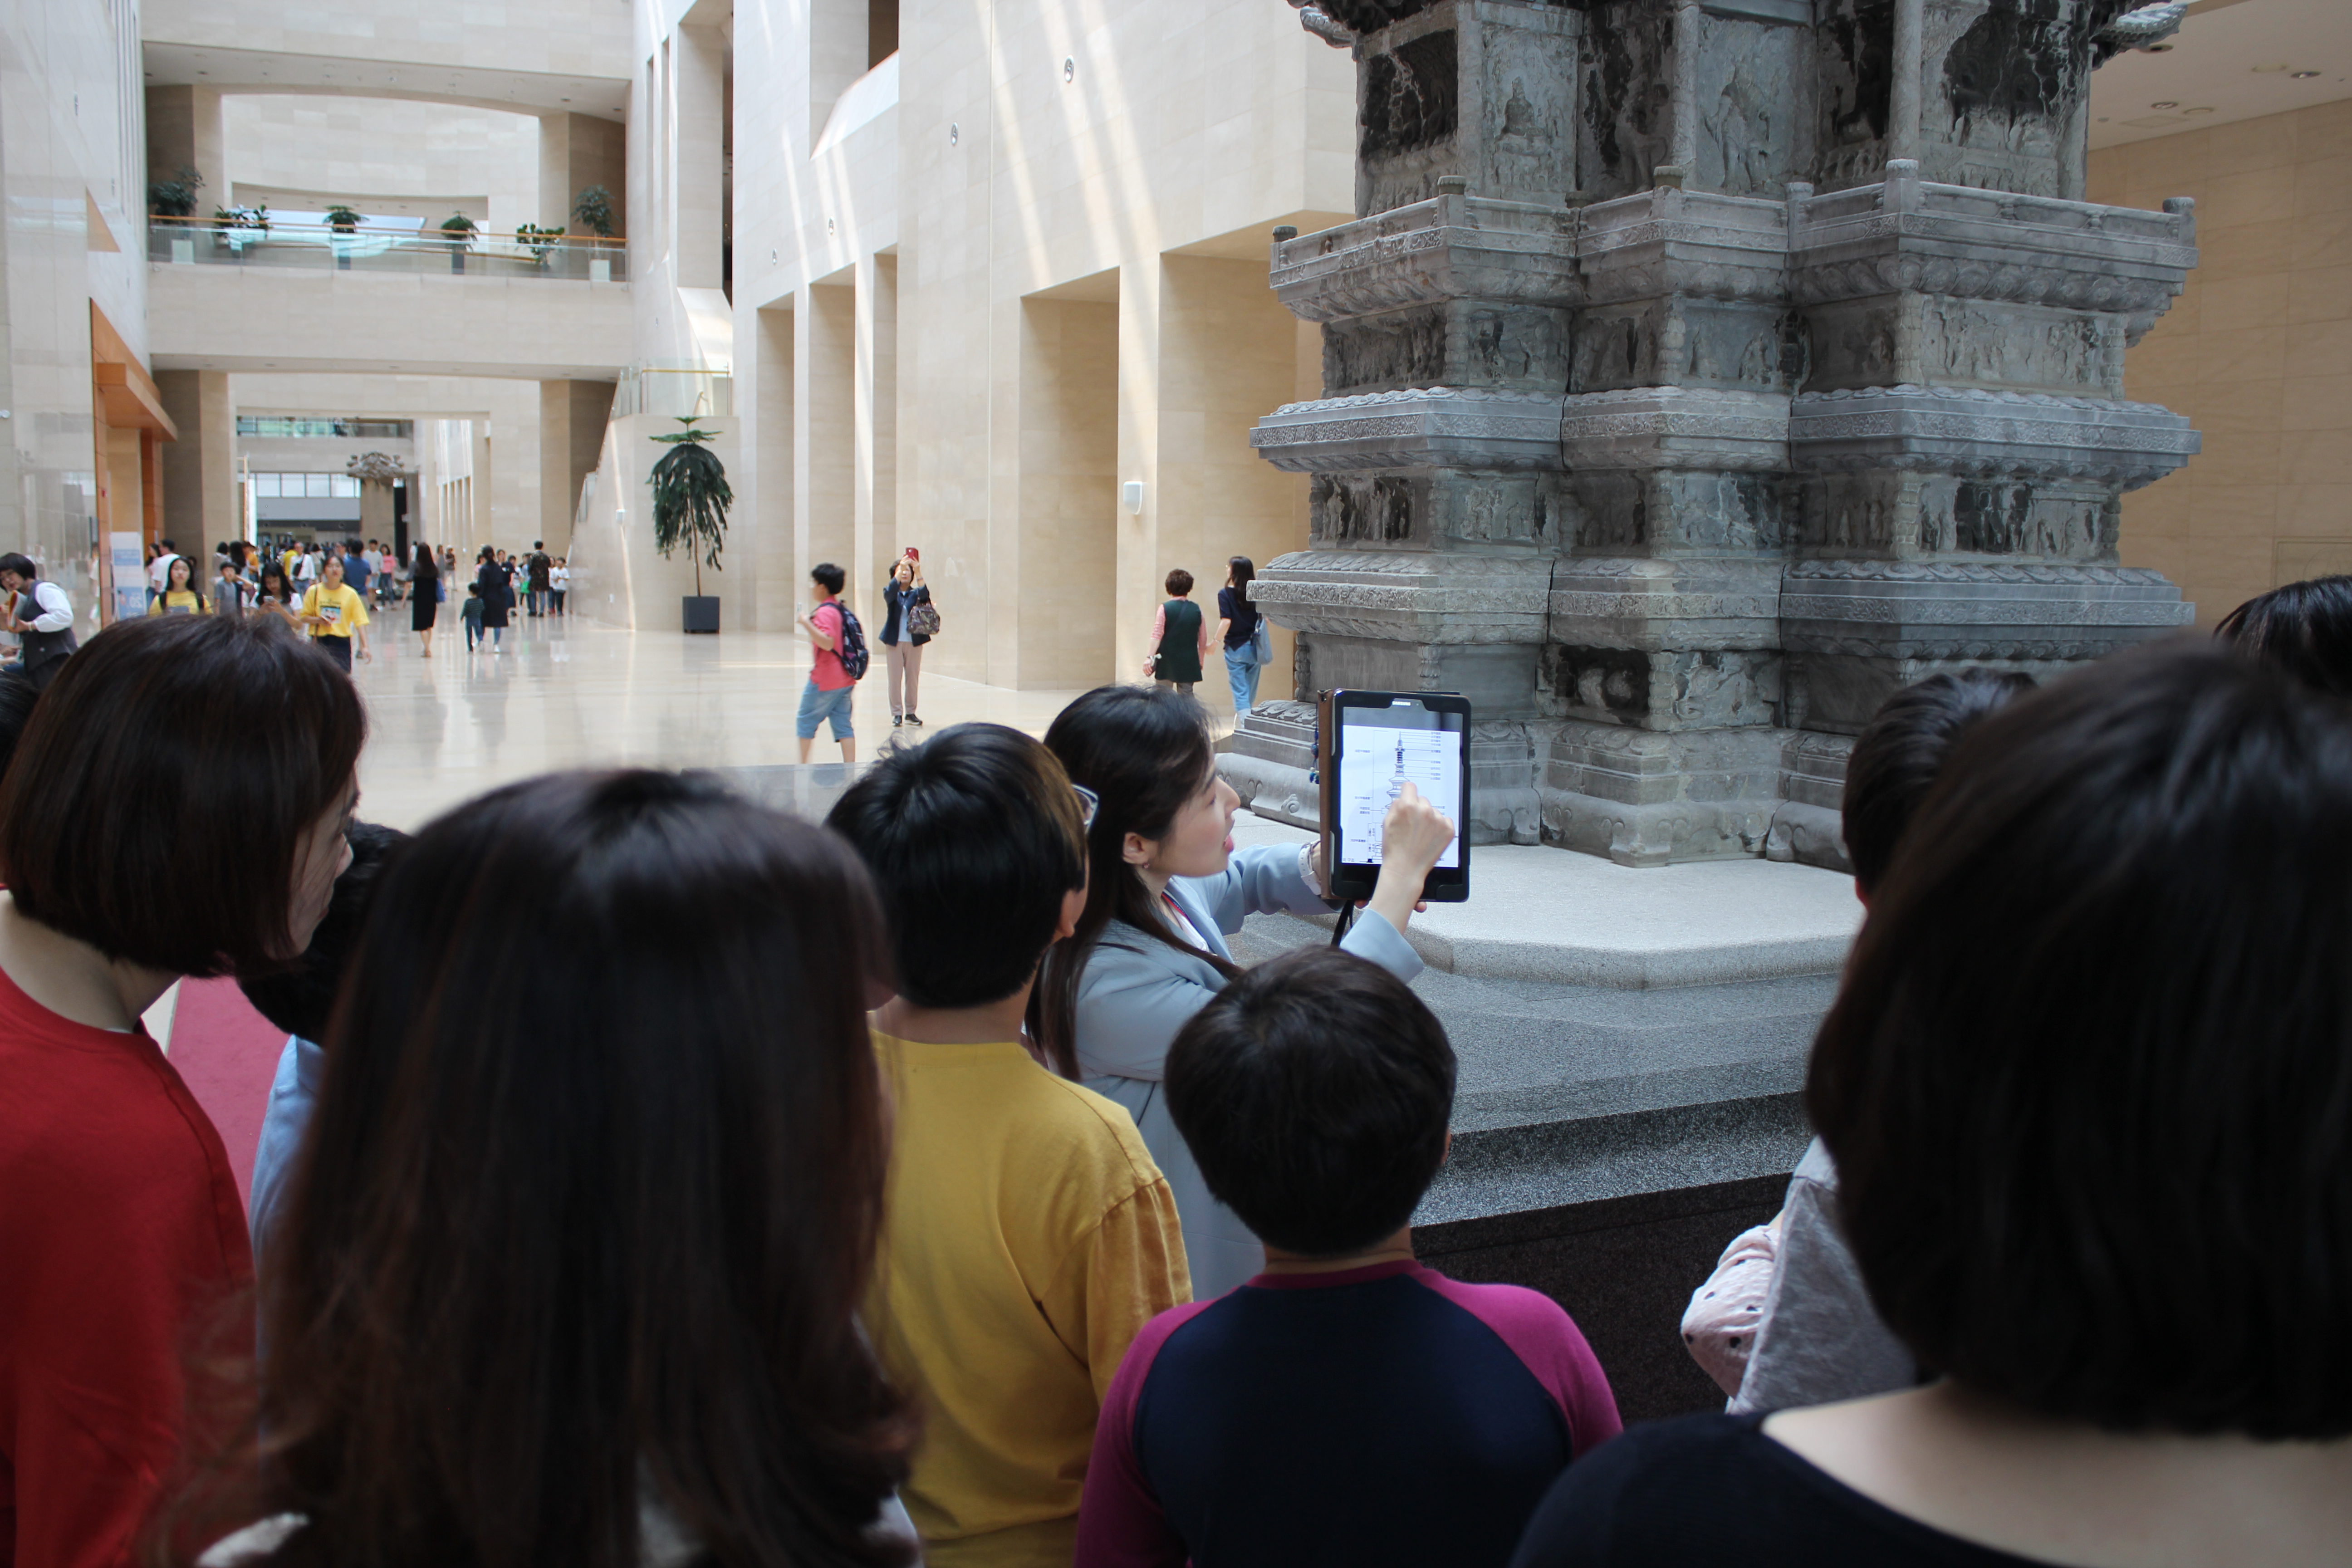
[(2165, 103), (2305, 76), (2196, 111)]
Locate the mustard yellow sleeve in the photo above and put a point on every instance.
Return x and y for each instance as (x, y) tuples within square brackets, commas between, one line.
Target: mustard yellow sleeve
[(1128, 1272), (156, 608)]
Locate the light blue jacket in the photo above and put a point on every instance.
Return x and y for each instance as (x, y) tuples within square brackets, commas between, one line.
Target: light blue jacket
[(1137, 993)]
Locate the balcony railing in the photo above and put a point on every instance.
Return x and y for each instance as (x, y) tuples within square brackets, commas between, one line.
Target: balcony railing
[(320, 248), (675, 390)]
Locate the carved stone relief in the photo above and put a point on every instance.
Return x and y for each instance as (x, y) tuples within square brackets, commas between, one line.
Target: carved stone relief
[(1623, 98), (1363, 509), (1933, 340), (1709, 689), (1462, 343)]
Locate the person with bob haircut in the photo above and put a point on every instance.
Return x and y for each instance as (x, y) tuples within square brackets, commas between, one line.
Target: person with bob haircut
[(569, 1273), (176, 806), (1164, 888), (2304, 629), (2088, 1083), (1030, 1235), (1347, 1404), (1785, 1320)]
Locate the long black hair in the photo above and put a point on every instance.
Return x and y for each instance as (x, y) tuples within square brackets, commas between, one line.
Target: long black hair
[(543, 1254), (1242, 571), (2304, 629), (1144, 751), (424, 566)]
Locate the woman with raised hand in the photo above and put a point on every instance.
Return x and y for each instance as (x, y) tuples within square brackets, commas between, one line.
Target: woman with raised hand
[(176, 807), (1165, 888), (568, 1273), (2088, 1085)]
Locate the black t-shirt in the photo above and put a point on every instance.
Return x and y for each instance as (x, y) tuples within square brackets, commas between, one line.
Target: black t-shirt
[(1242, 617), (1715, 1489)]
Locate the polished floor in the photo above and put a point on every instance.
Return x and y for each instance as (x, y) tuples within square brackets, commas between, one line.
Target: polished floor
[(567, 692)]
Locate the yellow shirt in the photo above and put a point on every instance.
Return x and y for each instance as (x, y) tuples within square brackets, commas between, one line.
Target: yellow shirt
[(342, 605), (1029, 1237), (179, 602)]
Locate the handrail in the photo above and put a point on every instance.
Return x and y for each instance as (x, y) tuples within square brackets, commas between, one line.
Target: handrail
[(279, 225)]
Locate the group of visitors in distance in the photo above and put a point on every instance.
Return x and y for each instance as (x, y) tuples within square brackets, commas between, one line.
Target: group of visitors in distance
[(934, 1182)]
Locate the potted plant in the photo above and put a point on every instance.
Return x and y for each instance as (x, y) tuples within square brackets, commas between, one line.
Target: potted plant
[(175, 197), (539, 241), (342, 219), (594, 211), (690, 501), (458, 230)]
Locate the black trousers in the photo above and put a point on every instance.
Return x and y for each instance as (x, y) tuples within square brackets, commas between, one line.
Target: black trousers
[(337, 648)]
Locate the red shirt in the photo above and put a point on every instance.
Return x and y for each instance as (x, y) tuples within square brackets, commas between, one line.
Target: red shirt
[(826, 669), (121, 1233)]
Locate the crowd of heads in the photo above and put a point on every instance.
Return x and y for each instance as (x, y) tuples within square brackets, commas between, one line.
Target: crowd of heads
[(551, 1248)]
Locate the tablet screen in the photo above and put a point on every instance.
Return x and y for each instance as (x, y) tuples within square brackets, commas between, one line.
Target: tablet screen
[(1381, 750)]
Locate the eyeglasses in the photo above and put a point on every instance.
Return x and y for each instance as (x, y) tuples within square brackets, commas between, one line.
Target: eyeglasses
[(1088, 804)]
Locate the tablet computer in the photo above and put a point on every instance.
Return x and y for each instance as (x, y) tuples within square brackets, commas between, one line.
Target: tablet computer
[(1373, 743)]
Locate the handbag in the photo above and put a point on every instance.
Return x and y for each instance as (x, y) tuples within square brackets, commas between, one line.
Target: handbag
[(923, 616), (1262, 640)]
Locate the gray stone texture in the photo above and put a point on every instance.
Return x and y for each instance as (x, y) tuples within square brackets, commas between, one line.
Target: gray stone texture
[(1695, 376)]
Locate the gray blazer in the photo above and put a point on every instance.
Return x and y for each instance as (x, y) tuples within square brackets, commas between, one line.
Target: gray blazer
[(1137, 993)]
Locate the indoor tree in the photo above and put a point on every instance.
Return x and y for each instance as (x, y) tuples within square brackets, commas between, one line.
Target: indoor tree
[(690, 498)]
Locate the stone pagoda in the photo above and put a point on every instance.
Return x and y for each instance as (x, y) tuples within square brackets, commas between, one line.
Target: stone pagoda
[(1698, 374)]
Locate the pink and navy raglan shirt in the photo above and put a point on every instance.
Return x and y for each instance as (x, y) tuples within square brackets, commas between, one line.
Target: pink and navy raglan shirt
[(1385, 1415)]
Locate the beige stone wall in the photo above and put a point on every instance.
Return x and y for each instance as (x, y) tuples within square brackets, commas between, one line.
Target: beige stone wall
[(2257, 352), (1037, 275)]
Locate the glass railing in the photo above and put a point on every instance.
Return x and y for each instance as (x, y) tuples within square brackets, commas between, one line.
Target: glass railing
[(318, 247), (673, 391)]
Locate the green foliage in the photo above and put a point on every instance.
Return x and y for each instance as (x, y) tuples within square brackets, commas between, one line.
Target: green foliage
[(342, 217), (458, 225), (593, 210), (226, 218), (175, 197), (690, 498), (540, 240)]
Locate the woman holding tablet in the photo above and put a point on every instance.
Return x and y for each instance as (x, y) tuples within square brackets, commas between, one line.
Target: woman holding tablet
[(1165, 887)]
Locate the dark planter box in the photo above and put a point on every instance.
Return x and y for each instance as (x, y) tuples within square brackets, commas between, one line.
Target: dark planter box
[(701, 612)]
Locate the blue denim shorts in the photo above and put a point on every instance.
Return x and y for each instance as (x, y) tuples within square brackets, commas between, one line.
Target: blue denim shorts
[(818, 705)]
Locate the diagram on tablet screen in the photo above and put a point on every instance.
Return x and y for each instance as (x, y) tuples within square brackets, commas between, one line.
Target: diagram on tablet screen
[(1376, 764)]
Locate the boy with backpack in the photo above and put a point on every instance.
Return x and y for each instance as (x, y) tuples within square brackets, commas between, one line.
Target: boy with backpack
[(1347, 1404), (837, 659)]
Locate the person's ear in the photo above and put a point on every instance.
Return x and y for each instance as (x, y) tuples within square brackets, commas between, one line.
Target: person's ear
[(1136, 851), (1862, 895), (1073, 904), (1448, 1152)]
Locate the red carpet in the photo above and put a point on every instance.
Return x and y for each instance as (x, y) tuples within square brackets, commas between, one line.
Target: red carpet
[(227, 1054)]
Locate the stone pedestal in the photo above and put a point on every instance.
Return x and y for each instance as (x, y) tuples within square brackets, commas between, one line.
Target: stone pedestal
[(1694, 378)]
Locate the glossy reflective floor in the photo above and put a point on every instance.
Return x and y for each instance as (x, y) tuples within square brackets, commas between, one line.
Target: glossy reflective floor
[(572, 693)]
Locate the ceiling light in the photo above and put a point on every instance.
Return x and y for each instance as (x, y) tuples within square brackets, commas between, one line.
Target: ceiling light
[(2305, 76), (2268, 70), (2165, 103), (2196, 111)]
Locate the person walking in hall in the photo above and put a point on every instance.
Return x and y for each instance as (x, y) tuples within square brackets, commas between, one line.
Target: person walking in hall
[(559, 581), (570, 1272), (231, 592), (1243, 632), (46, 631), (175, 807), (537, 567), (335, 615), (181, 595), (902, 644), (1165, 888), (831, 688), (276, 594), (424, 597), (306, 567), (160, 556), (496, 580), (1180, 637), (359, 566)]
